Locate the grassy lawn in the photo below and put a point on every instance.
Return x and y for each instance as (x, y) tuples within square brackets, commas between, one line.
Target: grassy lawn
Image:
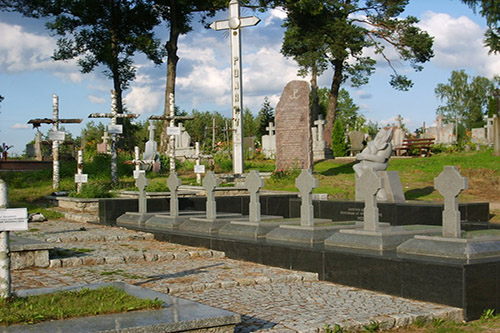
[(69, 304)]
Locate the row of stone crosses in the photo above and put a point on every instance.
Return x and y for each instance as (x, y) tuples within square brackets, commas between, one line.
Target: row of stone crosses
[(449, 183)]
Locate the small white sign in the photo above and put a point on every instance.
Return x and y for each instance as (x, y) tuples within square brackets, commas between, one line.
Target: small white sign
[(173, 131), (13, 219), (137, 172), (199, 168), (57, 135), (81, 178), (115, 129)]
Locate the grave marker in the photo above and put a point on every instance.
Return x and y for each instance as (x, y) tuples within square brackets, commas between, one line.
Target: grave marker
[(450, 183), (141, 182), (80, 177), (293, 128), (369, 184), (253, 183), (173, 183), (55, 135), (113, 129), (306, 183), (234, 25), (210, 182)]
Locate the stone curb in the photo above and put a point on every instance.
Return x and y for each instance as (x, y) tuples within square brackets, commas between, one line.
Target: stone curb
[(100, 238), (289, 278), (147, 257)]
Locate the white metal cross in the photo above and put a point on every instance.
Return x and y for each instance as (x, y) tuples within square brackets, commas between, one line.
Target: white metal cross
[(234, 24)]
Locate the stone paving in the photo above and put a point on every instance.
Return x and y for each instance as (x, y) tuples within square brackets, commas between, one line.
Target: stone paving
[(268, 298)]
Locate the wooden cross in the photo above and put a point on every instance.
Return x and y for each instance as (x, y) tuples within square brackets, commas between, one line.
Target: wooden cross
[(253, 183), (55, 121), (141, 182), (234, 25), (173, 183), (114, 129), (172, 118), (450, 183), (306, 183), (369, 184), (210, 182)]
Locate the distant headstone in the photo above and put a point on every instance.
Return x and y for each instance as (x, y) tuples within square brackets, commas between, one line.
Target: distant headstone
[(269, 142), (253, 183), (151, 148), (38, 146), (210, 182), (293, 133), (442, 133), (479, 135), (306, 183), (450, 183), (356, 139), (173, 183), (370, 184), (399, 134), (320, 150), (249, 143), (141, 182), (103, 147)]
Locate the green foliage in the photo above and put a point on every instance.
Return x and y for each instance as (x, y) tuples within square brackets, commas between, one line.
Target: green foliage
[(374, 326), (62, 305), (489, 10), (467, 98), (200, 128), (265, 116), (250, 125), (158, 186), (93, 190), (487, 314), (222, 163), (339, 144), (335, 329)]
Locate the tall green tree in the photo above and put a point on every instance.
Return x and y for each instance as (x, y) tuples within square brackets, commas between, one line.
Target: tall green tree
[(466, 99), (347, 111), (265, 116), (99, 32), (490, 10), (250, 126), (339, 144), (338, 32)]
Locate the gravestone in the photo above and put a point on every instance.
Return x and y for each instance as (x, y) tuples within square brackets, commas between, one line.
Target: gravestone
[(370, 184), (269, 142), (183, 144), (306, 183), (356, 139), (399, 134), (103, 147), (320, 150), (141, 182), (450, 183), (151, 148), (293, 134), (478, 136), (173, 183), (442, 133), (249, 144), (253, 183), (210, 182)]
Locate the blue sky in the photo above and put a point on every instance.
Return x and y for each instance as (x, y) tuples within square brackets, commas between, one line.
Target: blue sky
[(28, 77)]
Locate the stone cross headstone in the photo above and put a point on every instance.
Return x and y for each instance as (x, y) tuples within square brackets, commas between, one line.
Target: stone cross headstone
[(320, 123), (269, 142), (253, 183), (38, 146), (306, 183), (271, 128), (369, 184), (103, 148), (234, 25), (293, 128), (210, 182), (450, 183), (173, 183), (141, 182)]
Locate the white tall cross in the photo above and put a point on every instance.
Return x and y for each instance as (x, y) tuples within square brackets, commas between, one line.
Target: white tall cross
[(151, 129), (234, 24), (271, 128)]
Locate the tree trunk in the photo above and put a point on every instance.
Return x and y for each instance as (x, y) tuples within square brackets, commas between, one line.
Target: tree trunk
[(172, 60), (314, 94), (332, 101)]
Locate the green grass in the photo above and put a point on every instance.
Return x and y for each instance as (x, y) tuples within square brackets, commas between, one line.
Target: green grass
[(85, 302)]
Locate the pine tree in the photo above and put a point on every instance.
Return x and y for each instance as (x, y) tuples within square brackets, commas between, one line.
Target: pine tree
[(339, 145)]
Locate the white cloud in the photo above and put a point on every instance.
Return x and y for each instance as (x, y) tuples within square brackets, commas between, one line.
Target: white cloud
[(275, 14), (143, 100), (458, 43), (96, 100), (20, 126)]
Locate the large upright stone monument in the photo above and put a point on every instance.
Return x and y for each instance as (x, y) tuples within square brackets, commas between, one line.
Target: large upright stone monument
[(293, 123)]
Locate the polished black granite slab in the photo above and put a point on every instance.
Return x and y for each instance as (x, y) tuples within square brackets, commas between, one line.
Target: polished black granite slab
[(288, 206), (471, 285)]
